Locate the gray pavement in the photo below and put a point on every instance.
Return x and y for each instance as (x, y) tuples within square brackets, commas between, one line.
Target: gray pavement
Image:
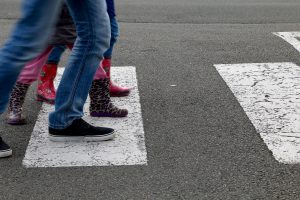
[(200, 143)]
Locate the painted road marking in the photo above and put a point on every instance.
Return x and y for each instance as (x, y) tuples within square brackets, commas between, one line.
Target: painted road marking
[(291, 37), (128, 148), (270, 95)]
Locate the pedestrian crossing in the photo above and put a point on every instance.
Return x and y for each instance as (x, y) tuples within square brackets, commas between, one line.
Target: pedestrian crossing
[(270, 96), (128, 148), (268, 92)]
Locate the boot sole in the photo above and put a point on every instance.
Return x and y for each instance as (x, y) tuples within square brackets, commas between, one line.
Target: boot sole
[(4, 154), (87, 138), (16, 122), (119, 94), (43, 99)]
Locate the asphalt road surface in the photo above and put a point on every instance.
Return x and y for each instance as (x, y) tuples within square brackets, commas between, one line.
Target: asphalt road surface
[(200, 143)]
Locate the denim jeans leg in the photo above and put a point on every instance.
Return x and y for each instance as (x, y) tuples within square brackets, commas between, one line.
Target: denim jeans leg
[(114, 37), (56, 53), (27, 40), (93, 35)]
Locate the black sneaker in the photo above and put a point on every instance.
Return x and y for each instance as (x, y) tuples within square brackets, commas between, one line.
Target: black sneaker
[(5, 150), (80, 130)]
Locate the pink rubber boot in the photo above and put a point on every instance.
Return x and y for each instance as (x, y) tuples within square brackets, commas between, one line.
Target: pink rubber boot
[(45, 89), (115, 90)]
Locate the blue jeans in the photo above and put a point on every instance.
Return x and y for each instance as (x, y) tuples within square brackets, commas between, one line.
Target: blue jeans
[(56, 53), (58, 50), (114, 27), (29, 39)]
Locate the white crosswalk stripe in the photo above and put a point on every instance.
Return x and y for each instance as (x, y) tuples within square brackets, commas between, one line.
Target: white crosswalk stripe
[(270, 95), (128, 148), (291, 37)]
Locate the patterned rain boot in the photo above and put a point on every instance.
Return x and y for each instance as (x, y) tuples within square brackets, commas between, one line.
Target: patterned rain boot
[(45, 89), (115, 90), (100, 105), (16, 100)]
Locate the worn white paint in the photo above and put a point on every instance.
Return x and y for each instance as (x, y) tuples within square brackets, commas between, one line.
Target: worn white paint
[(128, 148), (270, 95), (291, 37)]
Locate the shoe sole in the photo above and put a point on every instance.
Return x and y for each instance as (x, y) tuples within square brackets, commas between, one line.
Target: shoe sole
[(55, 138), (21, 122), (6, 153), (43, 99)]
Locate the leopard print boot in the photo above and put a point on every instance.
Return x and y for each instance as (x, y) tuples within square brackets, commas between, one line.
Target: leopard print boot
[(101, 105), (17, 97)]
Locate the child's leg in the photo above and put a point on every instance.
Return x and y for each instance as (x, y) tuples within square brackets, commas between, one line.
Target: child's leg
[(101, 72), (115, 90), (56, 54), (28, 75), (100, 105), (113, 39), (45, 88), (32, 69)]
